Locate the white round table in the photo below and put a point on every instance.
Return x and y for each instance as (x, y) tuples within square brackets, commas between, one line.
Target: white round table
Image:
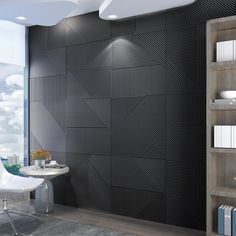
[(44, 198)]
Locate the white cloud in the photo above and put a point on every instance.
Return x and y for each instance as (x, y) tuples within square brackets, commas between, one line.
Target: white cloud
[(15, 79)]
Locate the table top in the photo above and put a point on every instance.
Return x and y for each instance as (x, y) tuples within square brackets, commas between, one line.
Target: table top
[(47, 173)]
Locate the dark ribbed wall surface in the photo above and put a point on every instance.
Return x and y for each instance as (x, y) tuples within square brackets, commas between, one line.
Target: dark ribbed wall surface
[(123, 104)]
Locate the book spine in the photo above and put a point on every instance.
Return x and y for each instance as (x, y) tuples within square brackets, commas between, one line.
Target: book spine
[(234, 222), (217, 136), (228, 212), (221, 220), (226, 136)]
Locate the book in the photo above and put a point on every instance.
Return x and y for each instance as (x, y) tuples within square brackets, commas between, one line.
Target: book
[(217, 136), (221, 215), (234, 222), (226, 136), (227, 219)]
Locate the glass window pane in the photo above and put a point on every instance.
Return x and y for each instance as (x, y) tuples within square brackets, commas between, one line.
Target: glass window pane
[(13, 102)]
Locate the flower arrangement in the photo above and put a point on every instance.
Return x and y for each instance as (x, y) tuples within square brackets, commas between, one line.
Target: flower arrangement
[(41, 155)]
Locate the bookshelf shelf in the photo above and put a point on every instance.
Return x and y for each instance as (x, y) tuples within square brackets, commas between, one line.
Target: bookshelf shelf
[(227, 65), (224, 192), (220, 107), (224, 150), (221, 162)]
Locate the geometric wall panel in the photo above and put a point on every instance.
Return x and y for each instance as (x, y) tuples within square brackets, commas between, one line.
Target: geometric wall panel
[(186, 110), (91, 55), (183, 143), (146, 174), (86, 29), (48, 133), (139, 204), (48, 63), (123, 27), (155, 44), (123, 104), (88, 140), (150, 23), (147, 120), (127, 53), (199, 12), (56, 35), (99, 194), (140, 81), (48, 88), (95, 82), (88, 113), (79, 169), (184, 59)]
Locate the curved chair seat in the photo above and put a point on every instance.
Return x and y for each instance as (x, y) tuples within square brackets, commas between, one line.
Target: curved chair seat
[(12, 184)]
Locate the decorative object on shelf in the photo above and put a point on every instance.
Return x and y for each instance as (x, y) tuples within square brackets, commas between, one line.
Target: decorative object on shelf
[(226, 51), (224, 101), (40, 157), (230, 94)]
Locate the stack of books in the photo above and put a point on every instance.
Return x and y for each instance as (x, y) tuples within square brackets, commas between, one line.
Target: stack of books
[(227, 220), (226, 51), (224, 136)]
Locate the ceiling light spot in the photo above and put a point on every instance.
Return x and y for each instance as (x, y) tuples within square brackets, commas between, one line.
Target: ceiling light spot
[(112, 16), (21, 18)]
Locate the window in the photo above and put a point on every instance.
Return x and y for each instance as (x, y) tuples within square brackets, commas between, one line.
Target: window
[(13, 96)]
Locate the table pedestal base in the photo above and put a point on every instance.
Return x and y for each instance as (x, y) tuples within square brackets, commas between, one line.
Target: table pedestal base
[(44, 199)]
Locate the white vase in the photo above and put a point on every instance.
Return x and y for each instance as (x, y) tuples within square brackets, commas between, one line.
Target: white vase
[(40, 163)]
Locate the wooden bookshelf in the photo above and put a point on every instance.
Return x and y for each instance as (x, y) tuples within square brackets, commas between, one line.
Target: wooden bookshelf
[(221, 163)]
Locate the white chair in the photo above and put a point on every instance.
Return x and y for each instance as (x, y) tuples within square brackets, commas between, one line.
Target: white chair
[(12, 184)]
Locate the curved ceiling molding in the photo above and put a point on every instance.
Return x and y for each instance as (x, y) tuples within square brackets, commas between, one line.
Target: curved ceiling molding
[(39, 12), (119, 9)]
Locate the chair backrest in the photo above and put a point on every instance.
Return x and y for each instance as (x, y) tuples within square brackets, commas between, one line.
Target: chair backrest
[(3, 172)]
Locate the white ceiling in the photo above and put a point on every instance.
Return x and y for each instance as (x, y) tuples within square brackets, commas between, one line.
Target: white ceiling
[(86, 6), (50, 12), (128, 8)]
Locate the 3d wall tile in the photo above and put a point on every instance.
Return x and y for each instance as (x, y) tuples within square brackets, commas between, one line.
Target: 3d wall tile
[(88, 113), (183, 143), (86, 28), (127, 53), (79, 178), (185, 57), (88, 140), (139, 81), (199, 12), (146, 174), (155, 22), (99, 191), (147, 120), (48, 88), (139, 204), (56, 35), (123, 27), (185, 110), (47, 63), (91, 55), (89, 83), (155, 44)]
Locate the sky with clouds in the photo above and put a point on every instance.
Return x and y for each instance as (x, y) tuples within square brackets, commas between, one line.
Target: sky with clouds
[(11, 110)]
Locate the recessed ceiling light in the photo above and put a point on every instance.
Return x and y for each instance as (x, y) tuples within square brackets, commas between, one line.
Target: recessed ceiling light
[(112, 16), (21, 18)]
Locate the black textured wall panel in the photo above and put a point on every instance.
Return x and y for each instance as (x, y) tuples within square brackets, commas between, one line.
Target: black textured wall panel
[(139, 81), (123, 104)]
